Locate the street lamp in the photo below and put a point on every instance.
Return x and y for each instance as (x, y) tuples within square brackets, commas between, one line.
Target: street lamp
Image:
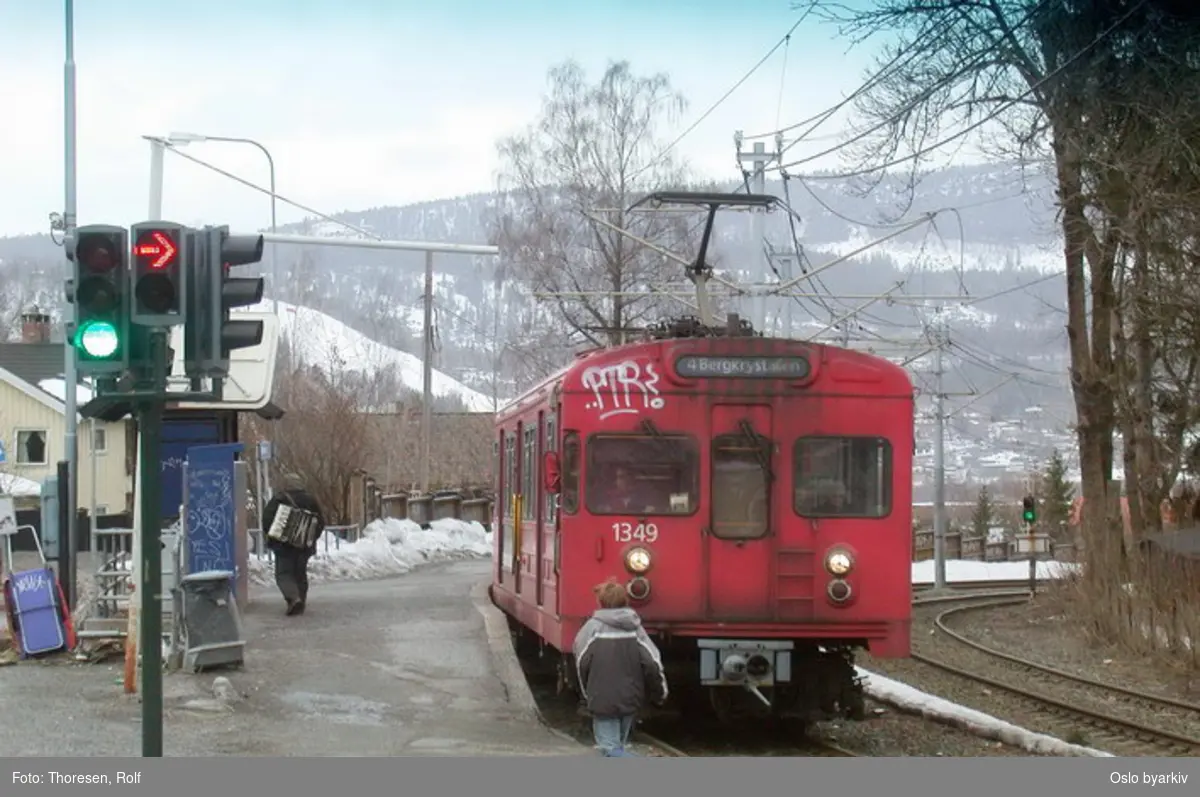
[(183, 139)]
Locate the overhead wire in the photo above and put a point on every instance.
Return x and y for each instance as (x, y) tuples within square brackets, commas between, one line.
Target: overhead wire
[(720, 101), (278, 196), (991, 115), (908, 54), (898, 61)]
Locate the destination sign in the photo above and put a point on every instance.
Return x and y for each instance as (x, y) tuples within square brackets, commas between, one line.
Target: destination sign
[(747, 367)]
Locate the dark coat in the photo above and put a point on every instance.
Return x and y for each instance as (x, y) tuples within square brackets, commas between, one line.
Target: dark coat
[(620, 668), (300, 499)]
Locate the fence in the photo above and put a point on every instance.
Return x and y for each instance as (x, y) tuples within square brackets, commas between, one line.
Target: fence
[(978, 549)]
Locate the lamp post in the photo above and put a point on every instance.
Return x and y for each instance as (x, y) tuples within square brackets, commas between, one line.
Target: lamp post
[(182, 139)]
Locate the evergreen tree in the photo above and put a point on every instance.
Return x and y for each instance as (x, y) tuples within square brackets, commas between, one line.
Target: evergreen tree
[(984, 514), (1057, 495)]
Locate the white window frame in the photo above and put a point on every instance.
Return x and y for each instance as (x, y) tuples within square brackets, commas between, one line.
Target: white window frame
[(17, 448)]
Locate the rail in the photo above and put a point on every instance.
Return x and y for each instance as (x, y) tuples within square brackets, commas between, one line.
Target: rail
[(1155, 741)]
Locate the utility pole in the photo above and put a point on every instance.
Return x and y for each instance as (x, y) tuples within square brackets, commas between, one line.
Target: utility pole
[(759, 159), (70, 369), (499, 350), (427, 405), (939, 458)]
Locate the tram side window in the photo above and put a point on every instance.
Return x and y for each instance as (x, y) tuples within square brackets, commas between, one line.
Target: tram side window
[(529, 468), (510, 472), (551, 498), (740, 487), (642, 475), (570, 473), (842, 477)]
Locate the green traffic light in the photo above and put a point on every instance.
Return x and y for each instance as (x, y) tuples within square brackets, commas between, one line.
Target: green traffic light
[(98, 339)]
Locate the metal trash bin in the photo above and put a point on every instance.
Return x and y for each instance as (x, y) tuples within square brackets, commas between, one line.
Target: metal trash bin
[(210, 625)]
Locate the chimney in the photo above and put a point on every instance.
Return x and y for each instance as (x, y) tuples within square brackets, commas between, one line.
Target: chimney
[(35, 327)]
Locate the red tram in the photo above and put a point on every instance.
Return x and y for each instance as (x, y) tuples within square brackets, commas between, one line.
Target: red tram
[(753, 494)]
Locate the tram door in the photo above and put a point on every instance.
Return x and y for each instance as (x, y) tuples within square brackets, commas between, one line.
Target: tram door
[(739, 537)]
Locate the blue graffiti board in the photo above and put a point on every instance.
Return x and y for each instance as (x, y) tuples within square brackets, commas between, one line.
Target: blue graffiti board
[(211, 508), (178, 435)]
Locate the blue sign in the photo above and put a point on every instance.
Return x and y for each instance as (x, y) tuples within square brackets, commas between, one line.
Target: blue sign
[(211, 508), (178, 435)]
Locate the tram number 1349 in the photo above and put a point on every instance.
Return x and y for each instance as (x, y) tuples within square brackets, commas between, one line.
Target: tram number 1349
[(628, 532)]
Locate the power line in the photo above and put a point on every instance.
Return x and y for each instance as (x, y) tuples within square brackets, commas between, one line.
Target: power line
[(913, 52), (821, 117), (280, 197), (663, 153), (975, 126)]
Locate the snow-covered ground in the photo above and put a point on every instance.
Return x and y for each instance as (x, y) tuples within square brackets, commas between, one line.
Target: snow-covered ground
[(960, 570), (389, 547)]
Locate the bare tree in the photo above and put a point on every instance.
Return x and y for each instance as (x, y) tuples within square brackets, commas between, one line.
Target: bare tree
[(1041, 76), (594, 150), (324, 435)]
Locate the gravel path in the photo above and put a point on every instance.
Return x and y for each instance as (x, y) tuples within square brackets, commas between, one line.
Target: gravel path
[(1043, 632), (1006, 705)]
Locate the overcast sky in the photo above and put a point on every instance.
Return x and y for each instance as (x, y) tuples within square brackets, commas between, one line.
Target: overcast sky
[(365, 103)]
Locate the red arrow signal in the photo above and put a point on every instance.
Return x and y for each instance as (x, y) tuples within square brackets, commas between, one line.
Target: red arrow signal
[(162, 250)]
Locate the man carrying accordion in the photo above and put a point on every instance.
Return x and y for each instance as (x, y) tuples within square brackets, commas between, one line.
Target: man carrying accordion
[(294, 523)]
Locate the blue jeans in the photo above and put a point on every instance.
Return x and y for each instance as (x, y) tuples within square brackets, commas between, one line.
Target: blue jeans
[(612, 734)]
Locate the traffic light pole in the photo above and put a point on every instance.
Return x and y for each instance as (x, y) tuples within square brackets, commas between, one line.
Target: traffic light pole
[(70, 367), (150, 415)]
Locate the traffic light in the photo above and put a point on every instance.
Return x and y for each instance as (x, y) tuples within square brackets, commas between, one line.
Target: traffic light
[(100, 253), (1029, 510), (217, 334), (160, 267)]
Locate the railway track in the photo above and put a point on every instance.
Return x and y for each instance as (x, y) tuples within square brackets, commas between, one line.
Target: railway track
[(1119, 733), (972, 586), (811, 748)]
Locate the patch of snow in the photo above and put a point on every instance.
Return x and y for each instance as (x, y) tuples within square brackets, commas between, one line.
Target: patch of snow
[(18, 486), (58, 389), (969, 570), (321, 340), (390, 547), (910, 700)]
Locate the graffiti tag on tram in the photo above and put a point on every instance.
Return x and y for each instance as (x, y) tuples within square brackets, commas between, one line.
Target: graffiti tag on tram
[(625, 388)]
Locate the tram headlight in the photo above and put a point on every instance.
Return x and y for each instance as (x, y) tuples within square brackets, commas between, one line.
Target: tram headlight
[(637, 560), (839, 562)]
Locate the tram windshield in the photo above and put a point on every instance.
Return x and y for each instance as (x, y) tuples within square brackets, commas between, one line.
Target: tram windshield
[(843, 477), (642, 475)]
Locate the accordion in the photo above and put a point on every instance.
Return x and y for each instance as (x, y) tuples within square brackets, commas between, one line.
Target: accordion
[(296, 527)]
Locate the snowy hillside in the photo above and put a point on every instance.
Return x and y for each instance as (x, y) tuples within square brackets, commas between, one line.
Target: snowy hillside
[(321, 340)]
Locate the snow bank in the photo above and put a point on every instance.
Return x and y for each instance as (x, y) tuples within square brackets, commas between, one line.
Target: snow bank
[(914, 701), (389, 547), (969, 570)]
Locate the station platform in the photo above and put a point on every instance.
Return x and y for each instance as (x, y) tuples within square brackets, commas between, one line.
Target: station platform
[(414, 665), (420, 664)]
